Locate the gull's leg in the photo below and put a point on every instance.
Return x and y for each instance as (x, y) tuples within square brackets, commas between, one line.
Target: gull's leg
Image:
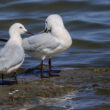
[(42, 72), (15, 78), (2, 79), (50, 70)]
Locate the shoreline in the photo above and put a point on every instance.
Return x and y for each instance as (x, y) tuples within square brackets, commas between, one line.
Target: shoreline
[(39, 90)]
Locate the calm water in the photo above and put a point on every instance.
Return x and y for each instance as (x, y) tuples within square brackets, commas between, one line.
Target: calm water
[(88, 22)]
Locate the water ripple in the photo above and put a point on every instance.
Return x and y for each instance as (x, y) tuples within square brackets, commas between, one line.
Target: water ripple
[(87, 21)]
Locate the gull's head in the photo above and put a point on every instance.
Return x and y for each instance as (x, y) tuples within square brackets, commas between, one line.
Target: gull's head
[(17, 29), (53, 21)]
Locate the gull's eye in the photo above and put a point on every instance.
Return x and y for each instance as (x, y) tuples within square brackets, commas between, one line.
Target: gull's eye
[(46, 22), (20, 27)]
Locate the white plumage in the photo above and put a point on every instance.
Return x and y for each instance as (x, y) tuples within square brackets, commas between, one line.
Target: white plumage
[(48, 43), (12, 54)]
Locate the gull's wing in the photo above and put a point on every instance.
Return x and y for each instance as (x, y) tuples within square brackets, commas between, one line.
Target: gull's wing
[(10, 56), (40, 43)]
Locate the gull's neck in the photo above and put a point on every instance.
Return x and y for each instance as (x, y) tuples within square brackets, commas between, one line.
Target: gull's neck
[(15, 38), (62, 34)]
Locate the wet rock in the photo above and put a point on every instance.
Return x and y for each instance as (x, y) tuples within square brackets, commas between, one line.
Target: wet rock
[(69, 81), (47, 108), (95, 85), (104, 91)]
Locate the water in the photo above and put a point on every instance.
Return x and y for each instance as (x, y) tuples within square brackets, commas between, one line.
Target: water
[(88, 22), (79, 101)]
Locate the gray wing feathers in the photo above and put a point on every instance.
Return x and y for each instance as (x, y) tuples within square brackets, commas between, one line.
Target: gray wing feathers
[(40, 42), (10, 56)]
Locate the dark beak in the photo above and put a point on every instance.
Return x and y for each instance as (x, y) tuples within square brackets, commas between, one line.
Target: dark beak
[(3, 40), (29, 33), (46, 30)]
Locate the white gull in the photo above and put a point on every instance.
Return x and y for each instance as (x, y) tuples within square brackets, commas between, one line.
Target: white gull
[(12, 54), (54, 40)]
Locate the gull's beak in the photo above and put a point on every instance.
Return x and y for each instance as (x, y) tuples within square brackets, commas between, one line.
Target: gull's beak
[(29, 33), (3, 40), (46, 30)]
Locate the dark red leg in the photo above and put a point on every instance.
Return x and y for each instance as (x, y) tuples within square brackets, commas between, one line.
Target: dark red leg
[(2, 79), (50, 71), (42, 72), (15, 78)]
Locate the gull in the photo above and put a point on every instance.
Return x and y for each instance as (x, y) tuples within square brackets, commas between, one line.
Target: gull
[(12, 54), (54, 40)]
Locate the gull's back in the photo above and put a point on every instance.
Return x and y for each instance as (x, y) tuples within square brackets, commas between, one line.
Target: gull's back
[(43, 43)]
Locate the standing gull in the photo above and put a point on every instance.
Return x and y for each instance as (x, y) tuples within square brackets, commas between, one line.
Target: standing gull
[(12, 55), (54, 40)]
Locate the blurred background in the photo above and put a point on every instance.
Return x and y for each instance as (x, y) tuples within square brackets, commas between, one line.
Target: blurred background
[(88, 22)]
